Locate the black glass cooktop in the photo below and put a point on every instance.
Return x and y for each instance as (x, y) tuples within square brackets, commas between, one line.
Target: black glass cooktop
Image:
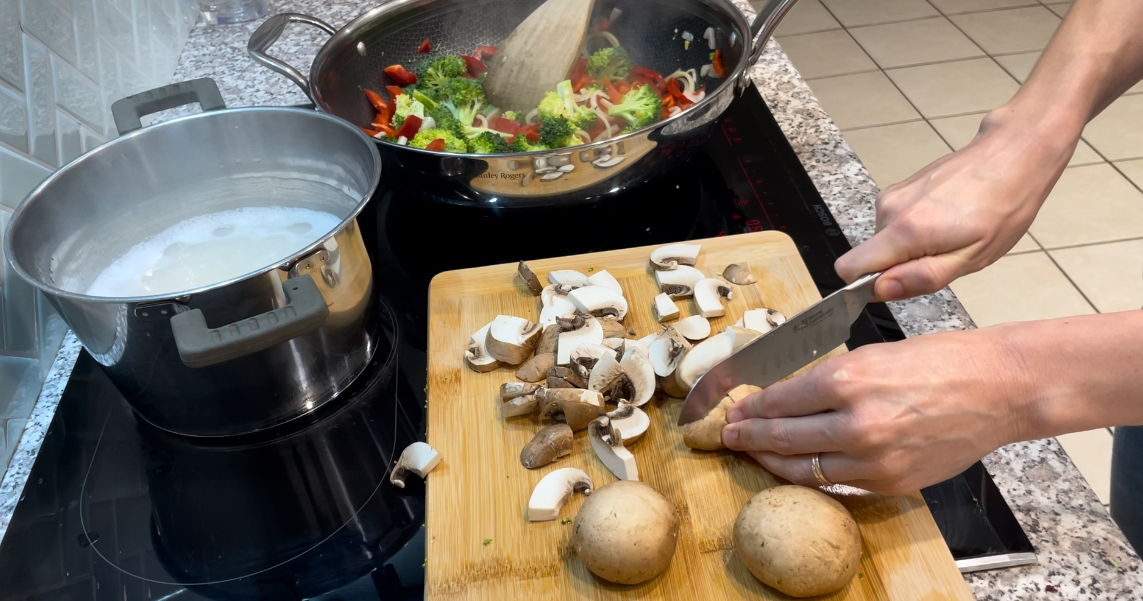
[(115, 509)]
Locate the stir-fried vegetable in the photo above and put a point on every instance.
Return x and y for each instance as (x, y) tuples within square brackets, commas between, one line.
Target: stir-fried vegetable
[(443, 106)]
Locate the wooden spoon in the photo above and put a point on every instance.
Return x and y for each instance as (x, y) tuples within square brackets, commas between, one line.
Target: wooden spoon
[(538, 54)]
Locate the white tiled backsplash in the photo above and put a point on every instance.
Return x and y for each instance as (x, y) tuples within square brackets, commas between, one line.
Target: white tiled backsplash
[(62, 64)]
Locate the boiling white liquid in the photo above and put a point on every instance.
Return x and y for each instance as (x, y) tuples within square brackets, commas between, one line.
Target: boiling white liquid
[(212, 248)]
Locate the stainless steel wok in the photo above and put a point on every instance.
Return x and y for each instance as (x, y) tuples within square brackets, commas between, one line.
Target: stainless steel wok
[(651, 30)]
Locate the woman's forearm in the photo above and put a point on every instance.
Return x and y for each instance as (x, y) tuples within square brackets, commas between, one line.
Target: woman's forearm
[(1075, 373)]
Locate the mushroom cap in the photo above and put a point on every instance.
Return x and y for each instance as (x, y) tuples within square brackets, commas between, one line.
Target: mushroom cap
[(709, 293), (605, 374), (554, 291), (739, 274), (511, 339), (628, 535), (639, 370), (670, 257), (476, 356), (549, 444), (599, 301), (553, 490), (536, 369), (704, 356), (590, 333), (419, 458), (667, 350), (559, 307), (695, 327), (633, 426), (567, 276)]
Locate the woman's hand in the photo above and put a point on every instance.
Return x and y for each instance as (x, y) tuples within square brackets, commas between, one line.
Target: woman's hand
[(890, 418), (967, 209)]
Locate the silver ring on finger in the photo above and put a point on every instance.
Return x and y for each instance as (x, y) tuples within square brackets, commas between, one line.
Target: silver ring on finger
[(816, 464)]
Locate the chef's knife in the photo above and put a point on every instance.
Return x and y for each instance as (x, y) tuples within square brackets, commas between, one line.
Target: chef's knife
[(783, 350)]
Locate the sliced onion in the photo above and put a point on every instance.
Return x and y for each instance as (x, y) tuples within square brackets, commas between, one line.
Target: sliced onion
[(403, 141), (429, 123), (706, 69), (490, 116), (615, 13), (481, 122), (688, 36), (583, 135), (674, 111), (585, 50), (530, 118)]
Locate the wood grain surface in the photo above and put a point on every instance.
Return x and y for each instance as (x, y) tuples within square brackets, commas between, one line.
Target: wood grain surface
[(480, 544)]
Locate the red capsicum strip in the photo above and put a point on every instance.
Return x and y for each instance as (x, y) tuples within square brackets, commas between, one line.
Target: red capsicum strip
[(410, 128), (438, 144), (578, 69), (400, 76), (484, 53), (476, 68), (377, 101), (425, 47), (612, 94), (502, 125), (719, 70), (651, 75), (680, 100)]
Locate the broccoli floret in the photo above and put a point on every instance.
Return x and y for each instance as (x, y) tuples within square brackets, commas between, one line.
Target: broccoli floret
[(465, 113), (561, 103), (433, 73), (459, 91), (609, 62), (446, 120), (521, 144), (557, 132), (488, 142), (407, 105), (453, 143), (640, 107), (512, 115)]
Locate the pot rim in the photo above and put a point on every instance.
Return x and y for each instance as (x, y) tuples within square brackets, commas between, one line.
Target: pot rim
[(109, 146), (347, 34)]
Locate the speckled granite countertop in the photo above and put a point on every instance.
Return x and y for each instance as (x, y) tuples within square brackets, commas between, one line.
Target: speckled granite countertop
[(1083, 555)]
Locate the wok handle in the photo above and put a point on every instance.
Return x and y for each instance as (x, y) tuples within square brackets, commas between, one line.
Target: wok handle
[(267, 35), (128, 112), (200, 346), (769, 16)]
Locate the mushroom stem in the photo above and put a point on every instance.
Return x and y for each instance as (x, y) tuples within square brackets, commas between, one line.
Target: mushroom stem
[(607, 443)]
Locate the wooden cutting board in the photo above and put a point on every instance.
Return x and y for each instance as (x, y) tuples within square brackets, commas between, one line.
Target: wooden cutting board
[(480, 544)]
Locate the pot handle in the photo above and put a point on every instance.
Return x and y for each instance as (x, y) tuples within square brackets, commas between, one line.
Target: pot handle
[(200, 346), (128, 112), (267, 35), (769, 16)]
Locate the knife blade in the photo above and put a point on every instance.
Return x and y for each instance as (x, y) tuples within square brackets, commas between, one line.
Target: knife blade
[(783, 350)]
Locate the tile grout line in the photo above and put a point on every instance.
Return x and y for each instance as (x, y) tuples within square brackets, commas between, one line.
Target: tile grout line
[(1072, 282)]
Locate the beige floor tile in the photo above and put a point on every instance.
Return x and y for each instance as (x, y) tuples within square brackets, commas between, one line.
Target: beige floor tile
[(960, 87), (862, 100), (1110, 275), (1014, 30), (1090, 204), (953, 7), (1020, 67), (1117, 133), (1024, 287), (828, 53), (854, 13), (1091, 452), (1026, 244), (959, 131), (893, 153), (1060, 9), (807, 16), (1133, 170), (915, 42)]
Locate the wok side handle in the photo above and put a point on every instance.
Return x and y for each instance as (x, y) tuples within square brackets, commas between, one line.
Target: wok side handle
[(200, 346), (267, 35), (128, 112), (767, 21)]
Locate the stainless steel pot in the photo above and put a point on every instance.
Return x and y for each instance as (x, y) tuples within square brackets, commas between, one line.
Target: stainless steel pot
[(238, 355), (356, 55)]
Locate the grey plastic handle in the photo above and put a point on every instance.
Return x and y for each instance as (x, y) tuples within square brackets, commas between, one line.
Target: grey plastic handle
[(128, 112), (200, 346), (767, 21), (269, 32)]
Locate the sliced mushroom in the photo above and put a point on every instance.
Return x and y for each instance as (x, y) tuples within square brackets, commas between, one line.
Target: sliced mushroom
[(513, 390), (476, 357), (607, 443), (678, 283), (567, 277), (555, 291), (605, 373), (588, 355), (616, 344), (599, 302), (519, 406), (739, 274), (706, 433), (536, 368), (694, 328), (612, 328), (418, 458), (637, 344), (709, 293), (560, 307), (588, 332), (511, 339), (741, 337), (671, 257), (574, 407), (673, 386), (548, 340), (664, 309), (761, 320), (631, 421), (530, 279), (702, 357), (667, 351), (548, 445), (566, 376), (638, 369), (605, 280), (554, 490), (572, 322)]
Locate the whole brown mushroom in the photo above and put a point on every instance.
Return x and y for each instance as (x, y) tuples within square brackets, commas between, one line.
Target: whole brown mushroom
[(626, 532)]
